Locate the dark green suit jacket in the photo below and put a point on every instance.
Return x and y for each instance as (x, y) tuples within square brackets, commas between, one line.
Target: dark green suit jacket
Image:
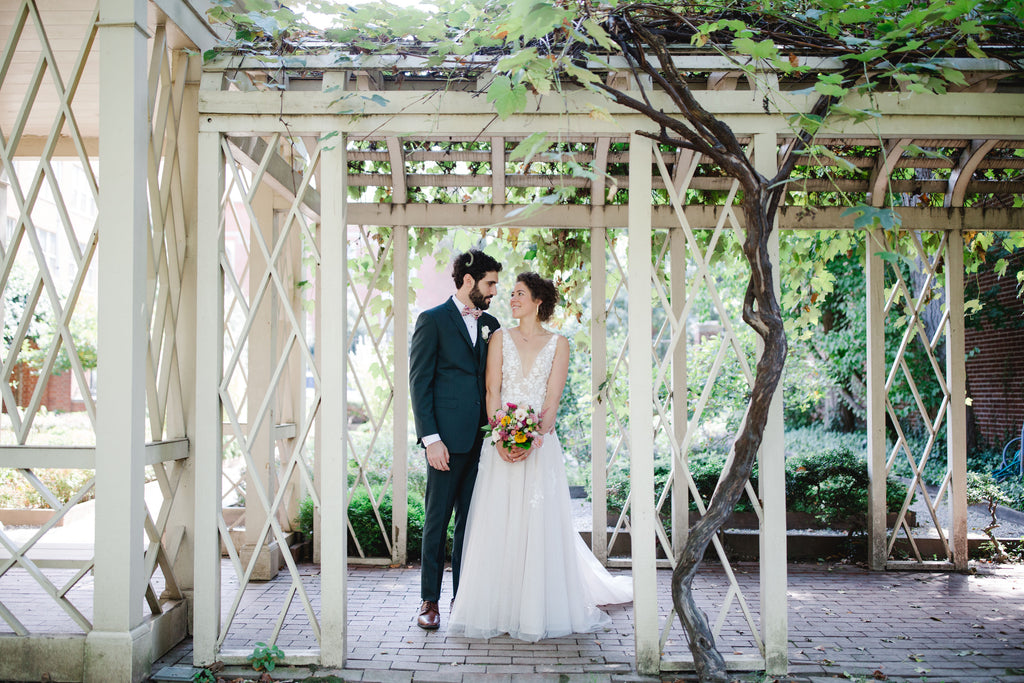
[(446, 376)]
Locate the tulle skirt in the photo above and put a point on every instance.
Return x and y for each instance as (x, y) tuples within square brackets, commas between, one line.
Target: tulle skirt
[(525, 570)]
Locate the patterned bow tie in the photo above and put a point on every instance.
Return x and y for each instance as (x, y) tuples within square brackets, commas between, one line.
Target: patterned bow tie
[(475, 312)]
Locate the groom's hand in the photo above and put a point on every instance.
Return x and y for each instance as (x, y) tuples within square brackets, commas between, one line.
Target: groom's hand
[(437, 456)]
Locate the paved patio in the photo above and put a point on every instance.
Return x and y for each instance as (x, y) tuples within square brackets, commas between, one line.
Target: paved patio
[(844, 621)]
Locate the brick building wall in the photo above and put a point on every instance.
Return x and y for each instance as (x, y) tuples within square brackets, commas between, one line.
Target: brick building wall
[(56, 395), (995, 348)]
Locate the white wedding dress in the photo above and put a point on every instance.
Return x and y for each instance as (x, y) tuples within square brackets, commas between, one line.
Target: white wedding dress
[(525, 570)]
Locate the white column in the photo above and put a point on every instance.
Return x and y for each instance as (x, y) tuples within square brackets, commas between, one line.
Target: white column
[(262, 349), (641, 409), (874, 273), (400, 406), (598, 374), (118, 646), (209, 413), (183, 510), (680, 490), (334, 452), (956, 377), (772, 474)]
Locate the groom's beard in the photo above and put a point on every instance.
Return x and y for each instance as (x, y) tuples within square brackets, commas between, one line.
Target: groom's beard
[(477, 298)]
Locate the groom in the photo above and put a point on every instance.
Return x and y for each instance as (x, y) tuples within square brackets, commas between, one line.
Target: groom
[(447, 359)]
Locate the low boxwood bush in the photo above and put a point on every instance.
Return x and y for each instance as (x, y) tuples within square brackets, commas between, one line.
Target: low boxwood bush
[(368, 532), (831, 485)]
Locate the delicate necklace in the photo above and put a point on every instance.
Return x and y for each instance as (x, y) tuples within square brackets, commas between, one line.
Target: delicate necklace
[(524, 336)]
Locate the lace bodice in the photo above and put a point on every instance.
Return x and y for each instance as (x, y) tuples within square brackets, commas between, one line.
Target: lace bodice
[(531, 389)]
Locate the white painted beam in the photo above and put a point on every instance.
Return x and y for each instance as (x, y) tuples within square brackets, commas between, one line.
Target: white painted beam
[(874, 273), (965, 116), (598, 377), (772, 473), (641, 411), (400, 404), (884, 165), (190, 18), (956, 378), (960, 178), (209, 426), (333, 374), (118, 646), (699, 217)]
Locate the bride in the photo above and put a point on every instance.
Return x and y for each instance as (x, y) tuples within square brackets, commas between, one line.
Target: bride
[(525, 570)]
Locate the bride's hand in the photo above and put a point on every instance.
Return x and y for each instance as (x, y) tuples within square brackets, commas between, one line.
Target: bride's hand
[(504, 453)]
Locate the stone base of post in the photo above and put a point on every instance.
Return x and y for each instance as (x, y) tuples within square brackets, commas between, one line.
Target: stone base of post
[(117, 655), (268, 563)]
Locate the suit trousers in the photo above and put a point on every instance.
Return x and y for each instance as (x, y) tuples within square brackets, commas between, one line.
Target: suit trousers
[(447, 492)]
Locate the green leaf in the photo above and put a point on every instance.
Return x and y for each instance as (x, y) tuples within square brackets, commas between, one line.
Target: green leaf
[(599, 35), (974, 50), (830, 90), (584, 76), (866, 217), (208, 55), (867, 55), (857, 15), (954, 76), (506, 98), (529, 147), (915, 151), (762, 50), (517, 61)]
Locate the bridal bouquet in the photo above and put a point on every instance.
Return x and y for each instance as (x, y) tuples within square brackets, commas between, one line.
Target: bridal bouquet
[(513, 425)]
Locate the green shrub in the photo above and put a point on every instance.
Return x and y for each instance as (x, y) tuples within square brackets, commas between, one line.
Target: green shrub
[(816, 439), (304, 520), (368, 531), (707, 470), (17, 492), (1013, 488), (833, 486)]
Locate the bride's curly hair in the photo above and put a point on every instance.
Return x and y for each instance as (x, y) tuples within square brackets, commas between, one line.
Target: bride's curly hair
[(541, 290)]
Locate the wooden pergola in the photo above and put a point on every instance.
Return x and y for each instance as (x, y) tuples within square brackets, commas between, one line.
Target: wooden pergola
[(224, 184)]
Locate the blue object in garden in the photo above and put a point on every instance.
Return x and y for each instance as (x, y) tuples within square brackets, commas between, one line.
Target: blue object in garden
[(1013, 465)]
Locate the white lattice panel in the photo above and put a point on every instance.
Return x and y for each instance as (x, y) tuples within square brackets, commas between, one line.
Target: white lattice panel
[(268, 354)]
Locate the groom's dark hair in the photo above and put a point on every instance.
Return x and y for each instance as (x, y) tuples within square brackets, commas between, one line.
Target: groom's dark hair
[(474, 262)]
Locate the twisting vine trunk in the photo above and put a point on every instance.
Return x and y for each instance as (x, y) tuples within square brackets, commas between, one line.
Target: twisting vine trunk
[(762, 312), (697, 129)]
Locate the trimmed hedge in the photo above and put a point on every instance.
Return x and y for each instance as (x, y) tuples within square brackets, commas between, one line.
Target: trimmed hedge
[(831, 485), (367, 530)]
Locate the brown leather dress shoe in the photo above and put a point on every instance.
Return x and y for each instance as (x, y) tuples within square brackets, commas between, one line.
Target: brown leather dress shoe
[(429, 618)]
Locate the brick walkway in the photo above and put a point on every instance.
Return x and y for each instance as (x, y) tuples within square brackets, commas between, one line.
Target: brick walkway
[(843, 621)]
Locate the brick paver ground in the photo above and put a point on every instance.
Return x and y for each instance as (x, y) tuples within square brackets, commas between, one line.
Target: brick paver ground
[(844, 621)]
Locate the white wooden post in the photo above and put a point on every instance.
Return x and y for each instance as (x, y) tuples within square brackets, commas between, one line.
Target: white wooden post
[(183, 510), (874, 273), (400, 405), (209, 414), (118, 646), (772, 474), (292, 390), (680, 490), (956, 377), (262, 354), (641, 409), (333, 360), (598, 373)]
